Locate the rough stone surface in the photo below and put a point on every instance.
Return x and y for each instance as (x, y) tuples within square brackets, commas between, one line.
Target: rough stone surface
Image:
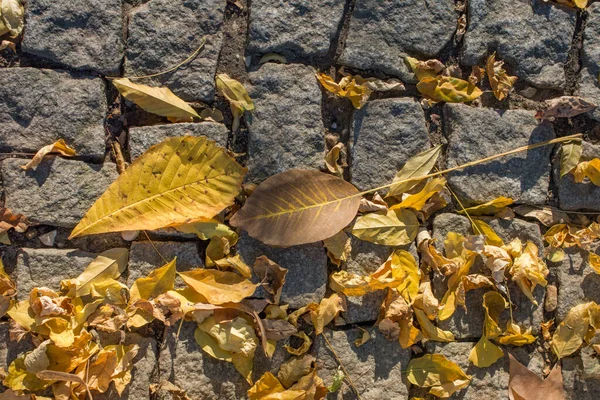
[(80, 34), (385, 134), (523, 33), (577, 281), (573, 195), (474, 133), (141, 373), (38, 107), (383, 33), (577, 386), (143, 258), (286, 129), (590, 57), (10, 350), (375, 367), (470, 325), (47, 267), (183, 362), (58, 192), (163, 32), (490, 382), (298, 30), (141, 138), (307, 268)]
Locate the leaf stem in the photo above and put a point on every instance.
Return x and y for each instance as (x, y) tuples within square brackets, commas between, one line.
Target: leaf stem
[(173, 68), (342, 366), (473, 163), (152, 243)]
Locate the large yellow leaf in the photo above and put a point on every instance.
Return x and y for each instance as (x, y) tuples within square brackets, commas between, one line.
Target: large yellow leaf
[(176, 181), (218, 287), (108, 265), (159, 281), (394, 228), (569, 334), (448, 89), (297, 207), (417, 166), (156, 100), (438, 373)]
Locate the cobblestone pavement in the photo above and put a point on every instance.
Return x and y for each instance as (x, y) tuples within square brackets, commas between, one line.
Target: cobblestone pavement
[(56, 87)]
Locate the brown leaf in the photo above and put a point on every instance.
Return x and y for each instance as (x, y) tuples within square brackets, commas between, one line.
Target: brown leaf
[(272, 277), (335, 160), (377, 204), (548, 216), (9, 220), (500, 81), (565, 107), (277, 329), (295, 368), (297, 207), (526, 385)]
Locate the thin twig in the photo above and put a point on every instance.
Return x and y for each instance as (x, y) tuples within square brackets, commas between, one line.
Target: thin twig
[(116, 148), (462, 207), (152, 243), (173, 68), (342, 366)]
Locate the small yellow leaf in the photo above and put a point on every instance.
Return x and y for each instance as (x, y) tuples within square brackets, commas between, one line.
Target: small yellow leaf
[(156, 100), (416, 167), (528, 270), (181, 179), (570, 153), (417, 201), (588, 169), (157, 282), (594, 261), (425, 69), (500, 81), (491, 237), (235, 263), (489, 208), (218, 287), (207, 229), (236, 94), (493, 304), (448, 89), (268, 387), (438, 373), (335, 160), (395, 228), (353, 88), (485, 353), (569, 334), (365, 337), (328, 309), (430, 331), (514, 336), (58, 147), (338, 247)]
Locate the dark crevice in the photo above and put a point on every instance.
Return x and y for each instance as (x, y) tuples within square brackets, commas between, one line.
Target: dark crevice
[(339, 41), (574, 59)]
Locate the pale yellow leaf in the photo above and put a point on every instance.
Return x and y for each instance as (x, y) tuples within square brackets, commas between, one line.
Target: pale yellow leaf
[(448, 89), (338, 247), (11, 17), (418, 201), (238, 97), (588, 169), (218, 287), (570, 152), (435, 371), (416, 167), (58, 147), (430, 331), (569, 334), (395, 228), (157, 282), (328, 309), (485, 353), (489, 208)]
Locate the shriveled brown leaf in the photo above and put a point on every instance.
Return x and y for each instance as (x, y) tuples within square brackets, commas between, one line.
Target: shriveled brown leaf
[(303, 348), (335, 160), (377, 204), (9, 220), (338, 247), (565, 107), (295, 368), (272, 277), (548, 216), (500, 81)]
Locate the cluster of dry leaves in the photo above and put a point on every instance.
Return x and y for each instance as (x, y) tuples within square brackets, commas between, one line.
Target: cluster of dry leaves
[(11, 22)]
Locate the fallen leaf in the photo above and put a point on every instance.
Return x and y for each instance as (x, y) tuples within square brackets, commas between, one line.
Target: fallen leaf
[(416, 167), (175, 391), (594, 261), (318, 205), (450, 299), (425, 69), (338, 247), (59, 147), (526, 385), (19, 379), (477, 72), (100, 370), (335, 159), (564, 107), (237, 264), (236, 94), (337, 380), (418, 200), (9, 220), (570, 152), (438, 373), (515, 336), (272, 277), (278, 329), (159, 202), (365, 337), (500, 81), (528, 270), (491, 237), (489, 208), (588, 169), (548, 216), (313, 385), (268, 387), (157, 282), (348, 87), (306, 343), (377, 204), (156, 100), (108, 265), (471, 282), (328, 309), (448, 89), (569, 334), (485, 353), (11, 17), (430, 331), (218, 287), (395, 228), (295, 368)]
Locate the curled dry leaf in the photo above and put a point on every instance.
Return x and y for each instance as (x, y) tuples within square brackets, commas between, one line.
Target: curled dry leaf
[(486, 353), (269, 387), (570, 152), (348, 87), (236, 94), (335, 159), (436, 372), (297, 207), (11, 17), (528, 270), (565, 107), (395, 228), (448, 89), (272, 277), (156, 100), (377, 204), (588, 169), (306, 343), (419, 201), (500, 81), (594, 261), (425, 69), (338, 247), (295, 368), (218, 287), (516, 336), (523, 384), (489, 208), (59, 147), (8, 220), (548, 216), (158, 203)]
